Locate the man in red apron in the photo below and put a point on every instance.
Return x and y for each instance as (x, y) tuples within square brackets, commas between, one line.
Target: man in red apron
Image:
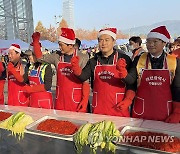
[(158, 86), (16, 95), (108, 70), (71, 93)]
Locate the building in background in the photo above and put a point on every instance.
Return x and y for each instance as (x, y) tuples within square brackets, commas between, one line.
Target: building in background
[(68, 12), (16, 19)]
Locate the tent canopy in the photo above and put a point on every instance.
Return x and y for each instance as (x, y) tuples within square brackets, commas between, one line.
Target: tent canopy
[(49, 45), (122, 41), (88, 44), (7, 44)]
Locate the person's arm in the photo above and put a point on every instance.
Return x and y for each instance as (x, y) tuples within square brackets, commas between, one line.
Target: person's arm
[(19, 78), (25, 76), (2, 71), (48, 78), (82, 107), (1, 68), (127, 70), (83, 59), (131, 77), (41, 87), (127, 101), (47, 58), (16, 74), (52, 58), (87, 71), (176, 83), (82, 74), (132, 86)]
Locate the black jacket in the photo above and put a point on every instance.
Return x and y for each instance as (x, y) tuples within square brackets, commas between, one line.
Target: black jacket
[(88, 70)]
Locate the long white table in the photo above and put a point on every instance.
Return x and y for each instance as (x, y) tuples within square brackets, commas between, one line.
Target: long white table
[(34, 143)]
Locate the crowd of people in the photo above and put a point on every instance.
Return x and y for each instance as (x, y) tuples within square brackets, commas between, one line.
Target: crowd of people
[(145, 85)]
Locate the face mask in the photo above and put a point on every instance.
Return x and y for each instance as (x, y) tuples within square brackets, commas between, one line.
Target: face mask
[(131, 47)]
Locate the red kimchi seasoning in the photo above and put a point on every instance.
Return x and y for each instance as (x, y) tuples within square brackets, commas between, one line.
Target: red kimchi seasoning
[(153, 140), (4, 115), (58, 127)]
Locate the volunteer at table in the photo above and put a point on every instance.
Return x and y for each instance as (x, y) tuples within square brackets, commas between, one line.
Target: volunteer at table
[(71, 93), (16, 69), (108, 70), (39, 76), (158, 83)]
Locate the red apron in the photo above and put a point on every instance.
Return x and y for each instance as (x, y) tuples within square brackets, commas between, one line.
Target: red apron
[(108, 90), (16, 95), (2, 82), (69, 88), (153, 98), (39, 99)]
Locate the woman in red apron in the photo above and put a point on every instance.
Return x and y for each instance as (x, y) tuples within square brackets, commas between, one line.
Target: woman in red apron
[(39, 84), (16, 95)]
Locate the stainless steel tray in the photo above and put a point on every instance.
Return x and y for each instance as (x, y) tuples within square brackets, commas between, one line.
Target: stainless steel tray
[(142, 150), (9, 111), (33, 126)]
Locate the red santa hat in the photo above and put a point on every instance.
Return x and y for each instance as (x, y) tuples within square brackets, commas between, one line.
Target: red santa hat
[(109, 31), (160, 33), (15, 47), (67, 36)]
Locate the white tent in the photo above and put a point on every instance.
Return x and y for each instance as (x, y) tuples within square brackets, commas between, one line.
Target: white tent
[(49, 45), (7, 43)]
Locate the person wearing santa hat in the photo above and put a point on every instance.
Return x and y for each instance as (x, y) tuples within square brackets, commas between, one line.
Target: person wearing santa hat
[(15, 69), (108, 70), (158, 82), (71, 93)]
